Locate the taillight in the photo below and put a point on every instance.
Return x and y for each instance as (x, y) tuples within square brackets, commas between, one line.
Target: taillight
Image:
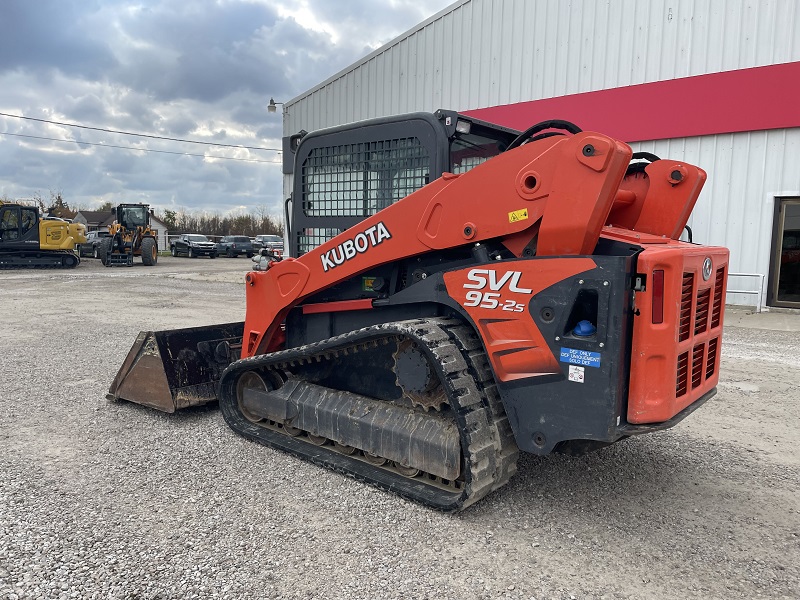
[(658, 297)]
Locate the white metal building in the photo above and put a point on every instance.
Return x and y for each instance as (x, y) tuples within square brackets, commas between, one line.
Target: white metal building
[(711, 82)]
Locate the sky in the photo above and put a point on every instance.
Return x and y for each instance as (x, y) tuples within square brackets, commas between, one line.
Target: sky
[(201, 71)]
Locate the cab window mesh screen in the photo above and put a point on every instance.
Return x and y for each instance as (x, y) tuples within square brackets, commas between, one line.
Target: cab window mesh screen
[(311, 237), (468, 163), (358, 180), (470, 150)]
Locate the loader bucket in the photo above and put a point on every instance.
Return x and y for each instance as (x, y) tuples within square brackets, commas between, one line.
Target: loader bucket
[(177, 368)]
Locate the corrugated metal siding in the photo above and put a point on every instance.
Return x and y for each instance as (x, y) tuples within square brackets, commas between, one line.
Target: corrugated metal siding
[(479, 53), (747, 171)]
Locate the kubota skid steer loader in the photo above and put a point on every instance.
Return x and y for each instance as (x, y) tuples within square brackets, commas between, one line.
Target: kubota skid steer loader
[(459, 292)]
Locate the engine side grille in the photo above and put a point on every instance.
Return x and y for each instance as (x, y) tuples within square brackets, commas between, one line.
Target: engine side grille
[(682, 384), (716, 310), (685, 323), (701, 311), (697, 365), (711, 359)]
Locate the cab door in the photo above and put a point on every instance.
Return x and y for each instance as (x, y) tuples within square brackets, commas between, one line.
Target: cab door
[(784, 284), (182, 245), (18, 227)]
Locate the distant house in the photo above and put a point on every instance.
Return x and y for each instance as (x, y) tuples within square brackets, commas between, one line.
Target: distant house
[(61, 213), (95, 220), (160, 229), (101, 220)]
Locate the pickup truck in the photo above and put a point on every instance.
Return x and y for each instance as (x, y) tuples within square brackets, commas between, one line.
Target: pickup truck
[(92, 244), (273, 243), (234, 245), (193, 245)]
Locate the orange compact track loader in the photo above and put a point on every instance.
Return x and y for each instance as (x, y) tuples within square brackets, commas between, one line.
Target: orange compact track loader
[(459, 292)]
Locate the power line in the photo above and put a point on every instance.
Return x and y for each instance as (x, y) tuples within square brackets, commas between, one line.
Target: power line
[(144, 135), (37, 137)]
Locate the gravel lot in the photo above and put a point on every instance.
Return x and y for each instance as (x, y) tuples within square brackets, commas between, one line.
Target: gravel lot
[(113, 500)]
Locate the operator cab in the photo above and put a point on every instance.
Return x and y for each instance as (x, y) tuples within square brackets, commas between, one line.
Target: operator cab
[(18, 226), (132, 216), (344, 174)]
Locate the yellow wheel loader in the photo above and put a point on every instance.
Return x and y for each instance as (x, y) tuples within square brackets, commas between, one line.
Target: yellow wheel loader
[(130, 235)]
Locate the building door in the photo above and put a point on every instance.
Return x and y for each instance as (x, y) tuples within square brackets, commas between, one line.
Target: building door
[(785, 268)]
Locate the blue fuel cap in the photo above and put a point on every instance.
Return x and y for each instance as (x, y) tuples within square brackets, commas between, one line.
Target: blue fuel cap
[(584, 329)]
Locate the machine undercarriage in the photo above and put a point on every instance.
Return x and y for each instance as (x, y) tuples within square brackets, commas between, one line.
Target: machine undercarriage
[(52, 259), (436, 434)]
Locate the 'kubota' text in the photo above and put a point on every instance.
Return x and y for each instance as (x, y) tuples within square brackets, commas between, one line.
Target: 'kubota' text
[(359, 244)]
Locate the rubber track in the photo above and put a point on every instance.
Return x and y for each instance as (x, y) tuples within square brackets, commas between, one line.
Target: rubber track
[(488, 448), (51, 253)]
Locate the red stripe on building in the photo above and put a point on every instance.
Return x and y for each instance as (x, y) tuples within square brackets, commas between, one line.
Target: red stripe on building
[(741, 100)]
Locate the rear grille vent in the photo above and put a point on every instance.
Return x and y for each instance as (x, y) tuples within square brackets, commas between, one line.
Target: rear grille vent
[(682, 383), (700, 311), (711, 359), (684, 328), (697, 365), (716, 310), (701, 314), (700, 369)]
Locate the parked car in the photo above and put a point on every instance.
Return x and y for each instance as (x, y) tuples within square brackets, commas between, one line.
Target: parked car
[(92, 244), (273, 243), (193, 245), (234, 245)]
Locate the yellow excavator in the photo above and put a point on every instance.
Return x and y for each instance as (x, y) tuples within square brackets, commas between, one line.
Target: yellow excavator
[(29, 241)]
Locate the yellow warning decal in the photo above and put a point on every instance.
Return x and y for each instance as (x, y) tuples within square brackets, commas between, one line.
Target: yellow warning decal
[(518, 215)]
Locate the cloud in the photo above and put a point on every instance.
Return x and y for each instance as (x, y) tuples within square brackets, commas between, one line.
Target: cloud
[(188, 70), (43, 36)]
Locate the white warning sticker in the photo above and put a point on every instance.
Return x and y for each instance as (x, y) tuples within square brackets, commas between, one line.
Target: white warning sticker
[(576, 373)]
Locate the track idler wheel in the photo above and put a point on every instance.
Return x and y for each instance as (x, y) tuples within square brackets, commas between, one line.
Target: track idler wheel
[(250, 380)]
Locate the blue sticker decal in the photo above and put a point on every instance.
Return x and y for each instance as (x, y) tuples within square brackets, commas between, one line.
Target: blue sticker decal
[(580, 357)]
